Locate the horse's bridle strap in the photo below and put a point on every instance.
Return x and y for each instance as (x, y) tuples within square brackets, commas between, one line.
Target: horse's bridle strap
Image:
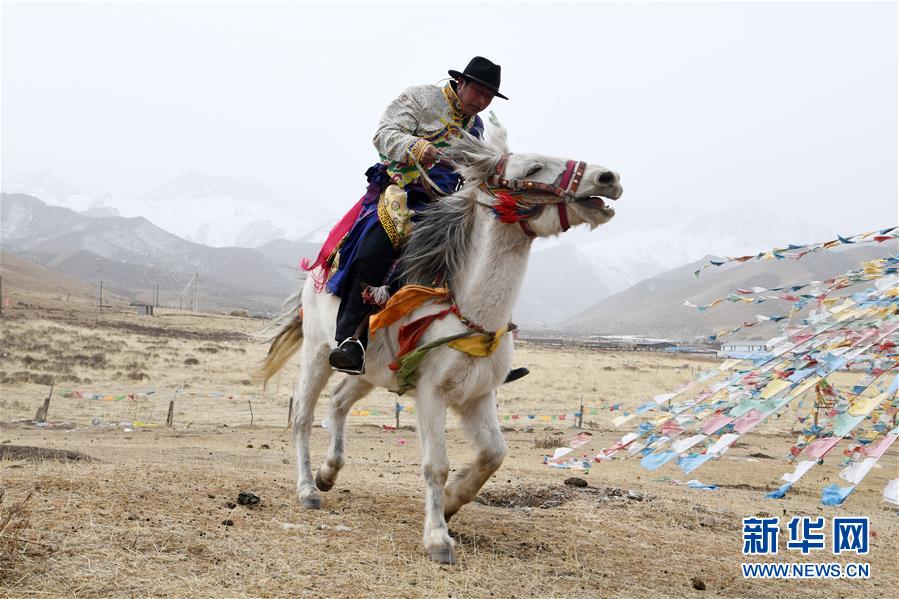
[(571, 179), (559, 194)]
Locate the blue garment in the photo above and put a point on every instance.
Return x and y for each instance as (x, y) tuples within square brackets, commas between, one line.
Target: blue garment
[(443, 175)]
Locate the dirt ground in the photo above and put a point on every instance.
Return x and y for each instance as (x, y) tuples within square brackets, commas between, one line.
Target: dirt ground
[(156, 512)]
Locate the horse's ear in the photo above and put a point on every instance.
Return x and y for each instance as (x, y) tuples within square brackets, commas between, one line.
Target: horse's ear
[(496, 134), (476, 158)]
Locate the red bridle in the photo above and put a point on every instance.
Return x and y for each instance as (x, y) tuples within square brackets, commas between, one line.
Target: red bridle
[(510, 209)]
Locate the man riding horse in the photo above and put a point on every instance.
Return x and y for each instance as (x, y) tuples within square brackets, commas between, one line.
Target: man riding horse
[(447, 345), (407, 178)]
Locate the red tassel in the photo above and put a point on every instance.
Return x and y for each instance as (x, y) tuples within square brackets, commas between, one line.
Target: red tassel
[(506, 208)]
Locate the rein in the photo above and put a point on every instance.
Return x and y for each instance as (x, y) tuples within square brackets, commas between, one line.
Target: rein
[(511, 206)]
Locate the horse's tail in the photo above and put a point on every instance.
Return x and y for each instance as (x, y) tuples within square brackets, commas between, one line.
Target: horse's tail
[(286, 341)]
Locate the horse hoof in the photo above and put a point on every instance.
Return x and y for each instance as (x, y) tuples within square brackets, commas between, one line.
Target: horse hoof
[(321, 484), (442, 555), (313, 502)]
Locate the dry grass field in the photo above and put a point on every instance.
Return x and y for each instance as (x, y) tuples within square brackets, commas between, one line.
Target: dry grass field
[(155, 512)]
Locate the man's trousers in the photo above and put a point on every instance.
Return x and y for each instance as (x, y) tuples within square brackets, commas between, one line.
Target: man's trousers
[(370, 266)]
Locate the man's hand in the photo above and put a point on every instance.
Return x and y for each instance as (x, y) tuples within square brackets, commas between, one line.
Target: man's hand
[(430, 156)]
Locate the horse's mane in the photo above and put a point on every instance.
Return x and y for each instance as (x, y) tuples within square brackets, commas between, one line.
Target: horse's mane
[(440, 240)]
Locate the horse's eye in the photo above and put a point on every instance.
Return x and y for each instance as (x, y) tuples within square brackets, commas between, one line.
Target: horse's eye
[(533, 170)]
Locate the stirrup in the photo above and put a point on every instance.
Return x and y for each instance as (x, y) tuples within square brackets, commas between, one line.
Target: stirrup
[(348, 370)]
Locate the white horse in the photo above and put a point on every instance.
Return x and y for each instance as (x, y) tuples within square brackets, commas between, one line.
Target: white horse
[(482, 260)]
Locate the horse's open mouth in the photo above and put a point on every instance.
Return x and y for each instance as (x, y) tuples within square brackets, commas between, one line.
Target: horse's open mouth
[(595, 202)]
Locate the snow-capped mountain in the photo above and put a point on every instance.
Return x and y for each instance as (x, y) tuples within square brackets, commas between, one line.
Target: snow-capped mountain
[(54, 191), (213, 210), (132, 256), (221, 211), (42, 185)]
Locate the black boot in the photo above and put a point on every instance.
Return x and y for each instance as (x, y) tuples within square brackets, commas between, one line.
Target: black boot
[(515, 374), (348, 357)]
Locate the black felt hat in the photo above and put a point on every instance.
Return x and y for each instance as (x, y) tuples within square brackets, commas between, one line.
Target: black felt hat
[(483, 72)]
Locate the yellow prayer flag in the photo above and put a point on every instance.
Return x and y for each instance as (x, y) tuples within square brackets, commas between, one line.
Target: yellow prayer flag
[(865, 405), (774, 387), (847, 315), (847, 303)]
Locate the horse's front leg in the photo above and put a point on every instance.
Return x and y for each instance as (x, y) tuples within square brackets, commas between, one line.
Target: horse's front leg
[(431, 409), (481, 426)]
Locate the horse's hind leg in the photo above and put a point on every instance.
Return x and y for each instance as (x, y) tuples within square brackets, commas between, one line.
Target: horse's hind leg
[(481, 426), (314, 374), (349, 391)]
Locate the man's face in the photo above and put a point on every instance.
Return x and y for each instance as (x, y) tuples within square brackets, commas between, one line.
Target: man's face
[(474, 97)]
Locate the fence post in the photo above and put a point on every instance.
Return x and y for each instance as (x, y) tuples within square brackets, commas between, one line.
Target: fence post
[(290, 411), (397, 414), (580, 419), (170, 419), (42, 411), (250, 402)]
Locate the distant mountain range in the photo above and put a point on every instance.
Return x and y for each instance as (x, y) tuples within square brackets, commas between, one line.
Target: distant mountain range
[(655, 307), (566, 275), (22, 278), (289, 253), (132, 255), (213, 210), (560, 280)]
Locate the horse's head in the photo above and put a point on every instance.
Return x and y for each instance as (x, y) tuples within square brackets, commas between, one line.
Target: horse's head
[(543, 194), (561, 193)]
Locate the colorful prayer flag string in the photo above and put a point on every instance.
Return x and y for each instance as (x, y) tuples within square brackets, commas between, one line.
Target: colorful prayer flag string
[(856, 335), (796, 252)]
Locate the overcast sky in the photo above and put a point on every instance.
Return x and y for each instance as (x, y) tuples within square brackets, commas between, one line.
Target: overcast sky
[(789, 108)]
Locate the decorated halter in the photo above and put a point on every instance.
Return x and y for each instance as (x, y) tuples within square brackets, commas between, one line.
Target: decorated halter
[(512, 207)]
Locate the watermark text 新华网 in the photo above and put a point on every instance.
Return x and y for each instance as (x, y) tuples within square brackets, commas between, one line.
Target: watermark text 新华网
[(806, 535)]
